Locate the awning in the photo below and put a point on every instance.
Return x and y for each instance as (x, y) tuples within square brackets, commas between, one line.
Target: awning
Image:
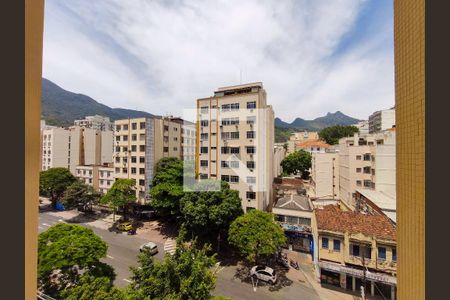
[(378, 277)]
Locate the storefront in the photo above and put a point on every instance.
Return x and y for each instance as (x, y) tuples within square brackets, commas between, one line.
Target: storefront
[(299, 237), (352, 279)]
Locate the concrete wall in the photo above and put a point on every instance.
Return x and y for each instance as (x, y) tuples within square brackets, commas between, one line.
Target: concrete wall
[(325, 174)]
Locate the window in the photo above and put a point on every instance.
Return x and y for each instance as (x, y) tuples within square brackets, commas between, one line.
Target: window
[(234, 179), (117, 137), (141, 182), (142, 137), (142, 125), (225, 178), (133, 159), (358, 170), (142, 159), (251, 134), (354, 250), (125, 149), (230, 121), (337, 245), (251, 119), (204, 109), (251, 164), (117, 170), (141, 171), (203, 150), (234, 164), (125, 127), (373, 171), (367, 157), (358, 157), (358, 182), (324, 243), (225, 164), (234, 150), (166, 139), (134, 137), (142, 148), (234, 135), (124, 170), (117, 159), (166, 149), (366, 170), (117, 127), (166, 128), (203, 136), (367, 183), (175, 148), (133, 170), (225, 150), (251, 105), (234, 106), (203, 176), (134, 126), (117, 149), (394, 254), (225, 107), (251, 149), (203, 163), (251, 195), (204, 123), (251, 179), (381, 253)]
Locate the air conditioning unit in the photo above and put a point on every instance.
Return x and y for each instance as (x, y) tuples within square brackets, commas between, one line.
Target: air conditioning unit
[(251, 170), (251, 155)]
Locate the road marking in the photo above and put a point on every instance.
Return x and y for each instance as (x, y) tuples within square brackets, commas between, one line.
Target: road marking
[(129, 281), (60, 220), (109, 256), (170, 246), (45, 224)]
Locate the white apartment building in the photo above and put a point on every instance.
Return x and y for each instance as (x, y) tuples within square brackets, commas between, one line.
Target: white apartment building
[(363, 127), (381, 120), (95, 122), (367, 163), (188, 137), (75, 146), (139, 144), (101, 178), (235, 137), (324, 176)]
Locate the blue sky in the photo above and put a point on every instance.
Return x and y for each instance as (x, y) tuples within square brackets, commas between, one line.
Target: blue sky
[(313, 57)]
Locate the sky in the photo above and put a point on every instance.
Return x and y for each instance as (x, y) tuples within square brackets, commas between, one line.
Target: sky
[(313, 57)]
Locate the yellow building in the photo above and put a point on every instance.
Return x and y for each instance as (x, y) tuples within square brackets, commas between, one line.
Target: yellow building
[(350, 248)]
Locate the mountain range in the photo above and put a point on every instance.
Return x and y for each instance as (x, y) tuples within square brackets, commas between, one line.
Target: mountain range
[(61, 107)]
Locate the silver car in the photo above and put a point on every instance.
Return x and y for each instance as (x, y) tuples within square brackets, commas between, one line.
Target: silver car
[(264, 273), (150, 246)]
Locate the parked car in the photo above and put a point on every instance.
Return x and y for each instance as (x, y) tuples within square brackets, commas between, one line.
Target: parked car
[(150, 246), (125, 226), (264, 273)]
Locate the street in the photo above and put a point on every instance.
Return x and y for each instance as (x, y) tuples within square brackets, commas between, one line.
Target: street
[(123, 250)]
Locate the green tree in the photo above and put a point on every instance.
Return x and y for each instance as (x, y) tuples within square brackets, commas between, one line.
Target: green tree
[(332, 134), (211, 212), (54, 181), (297, 162), (121, 194), (65, 251), (185, 275), (167, 187), (93, 288), (256, 234), (81, 196)]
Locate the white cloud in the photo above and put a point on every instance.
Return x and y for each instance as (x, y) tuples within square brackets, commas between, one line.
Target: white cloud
[(157, 57)]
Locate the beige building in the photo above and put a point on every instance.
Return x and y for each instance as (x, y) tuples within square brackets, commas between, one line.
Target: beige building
[(299, 137), (95, 122), (279, 153), (101, 178), (313, 146), (75, 146), (188, 136), (235, 137), (367, 163), (324, 182), (139, 144), (350, 246), (381, 120)]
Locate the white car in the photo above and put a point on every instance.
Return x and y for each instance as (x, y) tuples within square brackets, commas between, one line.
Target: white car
[(264, 273), (149, 246)]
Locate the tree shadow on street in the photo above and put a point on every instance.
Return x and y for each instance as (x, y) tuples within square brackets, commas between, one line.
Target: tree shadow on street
[(243, 274), (87, 217)]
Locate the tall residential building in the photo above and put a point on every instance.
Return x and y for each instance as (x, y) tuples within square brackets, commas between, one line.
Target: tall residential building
[(75, 146), (367, 163), (325, 176), (139, 144), (188, 136), (101, 178), (381, 120), (235, 140), (95, 122)]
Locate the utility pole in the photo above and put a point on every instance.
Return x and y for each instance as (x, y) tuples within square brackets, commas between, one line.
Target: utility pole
[(364, 273)]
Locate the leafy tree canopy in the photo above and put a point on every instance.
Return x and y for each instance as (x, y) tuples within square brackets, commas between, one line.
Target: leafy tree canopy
[(256, 234), (332, 134), (93, 288), (121, 194), (67, 250), (185, 275), (297, 162), (80, 195), (54, 181)]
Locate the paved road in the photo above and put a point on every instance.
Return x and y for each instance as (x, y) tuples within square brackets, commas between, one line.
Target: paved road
[(122, 248)]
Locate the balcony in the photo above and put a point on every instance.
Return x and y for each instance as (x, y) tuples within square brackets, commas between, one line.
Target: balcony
[(357, 260)]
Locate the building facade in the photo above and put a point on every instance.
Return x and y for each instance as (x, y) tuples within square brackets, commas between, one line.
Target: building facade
[(299, 137), (101, 178), (188, 137), (95, 122), (139, 144), (235, 140), (324, 183), (381, 120), (313, 146), (354, 250), (279, 153)]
